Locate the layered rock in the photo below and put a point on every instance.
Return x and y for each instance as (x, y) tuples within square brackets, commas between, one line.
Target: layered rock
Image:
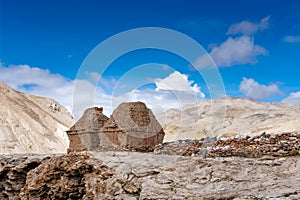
[(133, 175), (132, 126), (32, 124)]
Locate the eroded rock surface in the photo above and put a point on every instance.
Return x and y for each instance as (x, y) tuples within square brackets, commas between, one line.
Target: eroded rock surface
[(65, 177), (133, 175), (13, 173)]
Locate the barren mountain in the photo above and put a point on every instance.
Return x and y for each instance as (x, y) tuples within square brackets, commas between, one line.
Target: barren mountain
[(31, 124), (229, 117)]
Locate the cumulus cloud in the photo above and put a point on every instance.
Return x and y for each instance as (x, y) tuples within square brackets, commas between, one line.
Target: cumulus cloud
[(172, 92), (254, 90), (293, 98), (159, 100), (42, 82), (177, 82), (241, 50), (248, 28), (233, 51), (96, 78), (236, 50), (20, 75), (39, 82), (291, 39)]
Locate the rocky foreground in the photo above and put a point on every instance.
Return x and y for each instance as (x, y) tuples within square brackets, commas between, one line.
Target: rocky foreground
[(133, 175)]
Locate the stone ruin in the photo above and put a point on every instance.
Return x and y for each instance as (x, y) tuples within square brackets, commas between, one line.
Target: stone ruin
[(132, 126)]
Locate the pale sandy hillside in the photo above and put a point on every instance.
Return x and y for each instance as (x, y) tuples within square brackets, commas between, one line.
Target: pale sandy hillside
[(31, 124), (229, 116)]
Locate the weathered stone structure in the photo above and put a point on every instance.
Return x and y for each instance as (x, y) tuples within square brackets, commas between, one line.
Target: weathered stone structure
[(85, 133), (132, 126)]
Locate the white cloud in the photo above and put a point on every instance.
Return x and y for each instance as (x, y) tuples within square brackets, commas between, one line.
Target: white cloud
[(177, 82), (248, 28), (254, 90), (293, 98), (291, 39), (38, 82), (172, 92), (42, 82), (160, 100), (241, 50), (166, 67), (233, 51), (23, 74), (96, 78), (236, 50)]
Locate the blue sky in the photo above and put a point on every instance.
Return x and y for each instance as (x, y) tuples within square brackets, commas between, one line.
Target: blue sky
[(255, 44)]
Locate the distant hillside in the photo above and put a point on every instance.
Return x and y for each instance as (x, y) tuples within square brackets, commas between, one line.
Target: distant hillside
[(31, 124), (228, 117)]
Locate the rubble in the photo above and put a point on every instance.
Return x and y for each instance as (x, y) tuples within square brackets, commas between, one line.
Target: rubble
[(278, 145)]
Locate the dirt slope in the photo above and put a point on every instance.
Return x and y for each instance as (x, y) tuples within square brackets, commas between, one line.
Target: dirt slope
[(31, 124)]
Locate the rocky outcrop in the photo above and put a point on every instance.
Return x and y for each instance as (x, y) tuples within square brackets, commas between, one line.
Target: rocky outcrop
[(13, 173), (31, 124), (66, 177), (133, 175), (229, 117), (132, 126)]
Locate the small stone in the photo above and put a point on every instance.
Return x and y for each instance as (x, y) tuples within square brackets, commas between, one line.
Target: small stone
[(285, 148), (264, 135), (196, 150), (241, 154), (203, 153), (272, 140)]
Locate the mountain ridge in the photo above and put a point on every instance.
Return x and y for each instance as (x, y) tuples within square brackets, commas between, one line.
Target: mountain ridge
[(32, 124), (228, 117)]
